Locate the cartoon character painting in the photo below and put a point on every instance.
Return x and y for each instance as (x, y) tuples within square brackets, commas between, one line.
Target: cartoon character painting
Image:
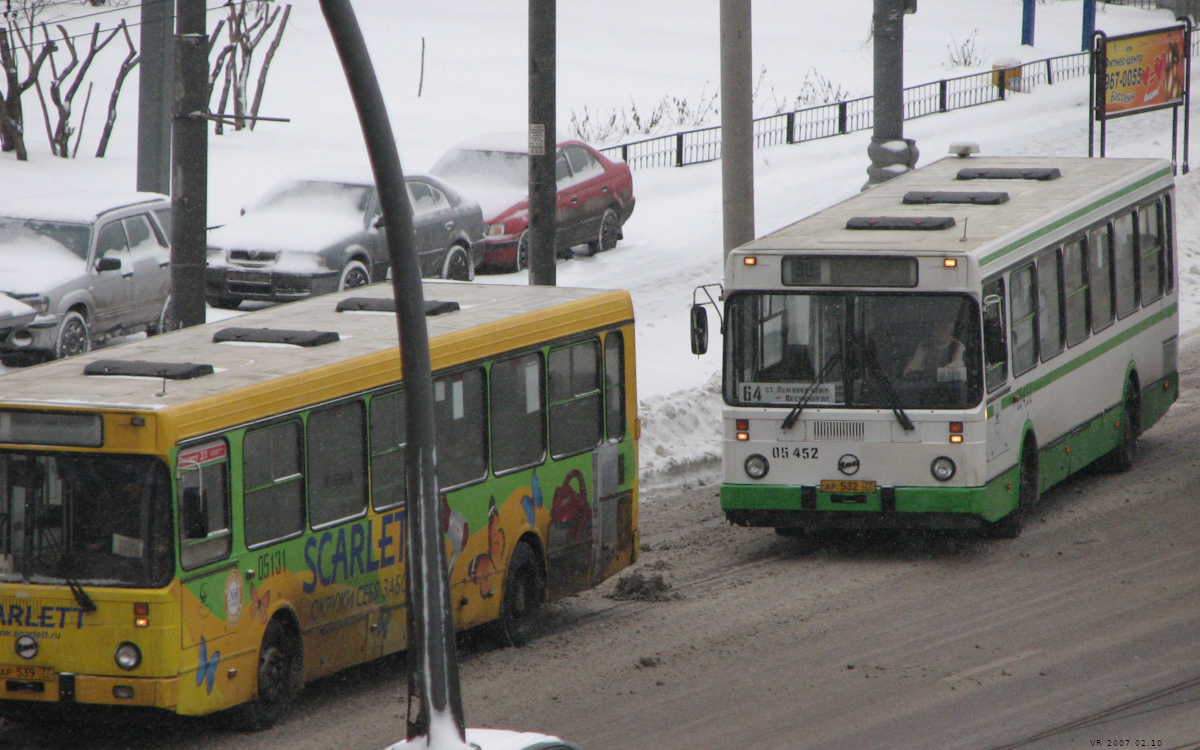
[(482, 570), (569, 540)]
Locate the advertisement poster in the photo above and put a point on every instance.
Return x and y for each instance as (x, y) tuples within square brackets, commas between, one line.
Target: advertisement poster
[(1144, 71)]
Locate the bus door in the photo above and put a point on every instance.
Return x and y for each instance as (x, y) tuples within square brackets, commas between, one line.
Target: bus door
[(608, 465), (995, 351)]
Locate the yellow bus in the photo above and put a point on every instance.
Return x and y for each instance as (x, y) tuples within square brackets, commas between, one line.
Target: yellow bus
[(210, 518)]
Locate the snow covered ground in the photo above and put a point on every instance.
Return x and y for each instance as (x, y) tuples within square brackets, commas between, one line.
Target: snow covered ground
[(639, 53)]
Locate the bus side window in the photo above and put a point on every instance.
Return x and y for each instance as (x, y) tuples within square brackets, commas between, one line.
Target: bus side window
[(518, 406), (337, 462), (1049, 305), (460, 420), (1024, 319), (1125, 265), (272, 483), (388, 486), (1100, 279), (1075, 291), (1150, 252), (995, 341), (614, 385), (576, 408), (203, 513)]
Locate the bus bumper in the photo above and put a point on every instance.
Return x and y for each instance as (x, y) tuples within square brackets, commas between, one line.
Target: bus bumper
[(785, 507), (21, 697)]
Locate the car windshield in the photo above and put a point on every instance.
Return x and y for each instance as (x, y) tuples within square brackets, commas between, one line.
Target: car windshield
[(73, 237), (96, 520), (304, 193), (493, 167), (853, 350)]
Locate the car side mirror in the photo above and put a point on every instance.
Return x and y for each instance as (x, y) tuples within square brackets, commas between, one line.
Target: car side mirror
[(108, 264), (699, 329), (378, 223)]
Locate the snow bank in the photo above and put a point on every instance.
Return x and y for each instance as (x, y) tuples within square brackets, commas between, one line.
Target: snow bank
[(681, 433)]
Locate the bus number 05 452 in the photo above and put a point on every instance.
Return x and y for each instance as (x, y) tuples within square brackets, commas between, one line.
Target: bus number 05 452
[(786, 451)]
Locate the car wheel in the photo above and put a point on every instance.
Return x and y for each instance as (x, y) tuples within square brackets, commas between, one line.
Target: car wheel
[(73, 336), (524, 592), (279, 678), (522, 260), (355, 274), (165, 320), (458, 265), (225, 303), (610, 230)]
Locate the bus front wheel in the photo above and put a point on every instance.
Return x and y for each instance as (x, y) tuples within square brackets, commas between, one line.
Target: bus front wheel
[(279, 675), (524, 592), (1010, 526)]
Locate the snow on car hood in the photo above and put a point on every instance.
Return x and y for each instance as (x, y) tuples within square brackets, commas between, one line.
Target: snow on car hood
[(493, 199), (31, 264), (11, 309), (298, 225)]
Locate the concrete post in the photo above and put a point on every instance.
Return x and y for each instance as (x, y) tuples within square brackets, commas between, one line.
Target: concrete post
[(890, 152), (189, 198), (156, 94), (542, 142), (737, 125)]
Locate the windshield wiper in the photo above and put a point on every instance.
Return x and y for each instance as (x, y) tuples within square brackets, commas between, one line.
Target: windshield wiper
[(81, 597), (885, 385), (790, 420)]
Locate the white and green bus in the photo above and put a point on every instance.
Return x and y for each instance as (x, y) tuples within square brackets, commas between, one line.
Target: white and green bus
[(936, 351)]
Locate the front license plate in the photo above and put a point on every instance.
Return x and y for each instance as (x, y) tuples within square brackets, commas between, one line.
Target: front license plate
[(250, 276), (847, 486), (12, 672)]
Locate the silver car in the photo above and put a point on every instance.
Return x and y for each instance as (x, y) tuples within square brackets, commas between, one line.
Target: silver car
[(321, 233), (92, 264)]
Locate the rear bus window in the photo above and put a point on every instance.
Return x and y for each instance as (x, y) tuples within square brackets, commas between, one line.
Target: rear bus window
[(460, 420), (1125, 265), (576, 411), (1150, 252), (388, 485)]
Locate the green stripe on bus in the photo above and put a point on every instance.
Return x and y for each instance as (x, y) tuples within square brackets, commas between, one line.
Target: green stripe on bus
[(1068, 367), (1165, 172)]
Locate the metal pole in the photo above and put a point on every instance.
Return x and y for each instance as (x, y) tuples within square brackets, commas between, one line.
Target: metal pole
[(891, 154), (543, 146), (435, 702), (435, 699), (1027, 13), (737, 125), (155, 97), (1089, 22), (189, 131)]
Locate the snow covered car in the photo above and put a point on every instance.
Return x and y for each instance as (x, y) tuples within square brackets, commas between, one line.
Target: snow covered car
[(595, 195), (498, 739), (321, 233), (92, 265)]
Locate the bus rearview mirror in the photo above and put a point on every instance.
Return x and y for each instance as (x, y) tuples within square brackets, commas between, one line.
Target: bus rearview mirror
[(699, 329)]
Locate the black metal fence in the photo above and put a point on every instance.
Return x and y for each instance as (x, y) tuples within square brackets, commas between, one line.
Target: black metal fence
[(825, 120)]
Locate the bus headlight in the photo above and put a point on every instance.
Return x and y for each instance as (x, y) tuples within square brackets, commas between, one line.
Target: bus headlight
[(128, 656), (757, 466), (942, 469)]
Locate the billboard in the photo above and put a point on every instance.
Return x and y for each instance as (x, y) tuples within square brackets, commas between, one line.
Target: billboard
[(1144, 71)]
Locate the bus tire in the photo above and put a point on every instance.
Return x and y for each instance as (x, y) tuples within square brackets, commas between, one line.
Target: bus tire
[(1010, 526), (1121, 458), (280, 670), (524, 593)]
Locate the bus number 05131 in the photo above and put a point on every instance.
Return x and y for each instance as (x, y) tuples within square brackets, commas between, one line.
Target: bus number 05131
[(785, 451)]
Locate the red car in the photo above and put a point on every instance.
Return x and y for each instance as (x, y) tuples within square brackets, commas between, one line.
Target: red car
[(595, 195)]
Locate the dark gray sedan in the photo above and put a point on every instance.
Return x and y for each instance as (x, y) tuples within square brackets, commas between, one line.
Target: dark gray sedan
[(322, 233)]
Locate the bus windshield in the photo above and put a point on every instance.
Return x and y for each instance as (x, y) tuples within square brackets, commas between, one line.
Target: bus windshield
[(851, 349), (84, 518)]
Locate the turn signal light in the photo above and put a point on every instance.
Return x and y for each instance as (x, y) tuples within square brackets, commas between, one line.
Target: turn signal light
[(750, 260), (743, 429), (141, 615), (956, 429), (950, 262)]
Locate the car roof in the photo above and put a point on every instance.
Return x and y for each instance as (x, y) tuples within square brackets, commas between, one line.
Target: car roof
[(515, 142), (351, 174), (81, 206)]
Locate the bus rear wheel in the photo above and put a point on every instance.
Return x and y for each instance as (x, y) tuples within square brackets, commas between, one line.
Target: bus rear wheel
[(524, 593), (1121, 458), (279, 676)]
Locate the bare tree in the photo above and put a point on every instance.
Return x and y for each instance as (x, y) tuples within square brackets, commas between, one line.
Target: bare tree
[(248, 22), (65, 83), (132, 58), (12, 116)]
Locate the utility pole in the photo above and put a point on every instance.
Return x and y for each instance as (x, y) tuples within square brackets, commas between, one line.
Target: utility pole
[(891, 153), (189, 161), (737, 125), (156, 95), (1027, 14), (543, 143), (1089, 23)]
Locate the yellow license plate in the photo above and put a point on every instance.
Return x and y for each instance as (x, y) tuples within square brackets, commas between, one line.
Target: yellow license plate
[(10, 672), (847, 485)]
